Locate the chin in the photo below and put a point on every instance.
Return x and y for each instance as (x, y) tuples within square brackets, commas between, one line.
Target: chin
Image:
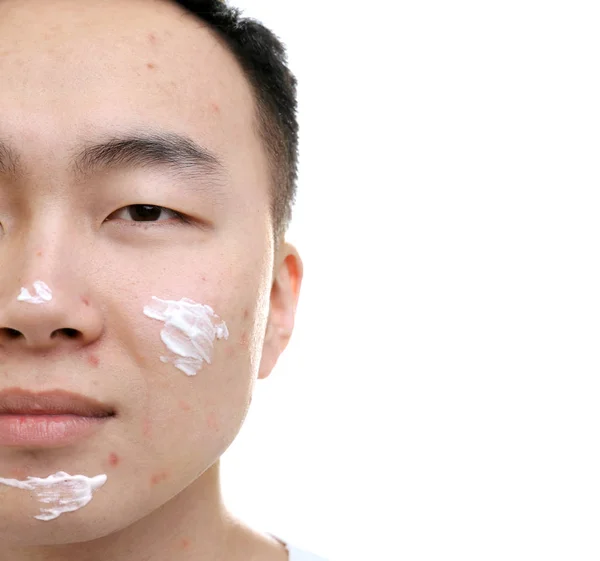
[(74, 527), (105, 514)]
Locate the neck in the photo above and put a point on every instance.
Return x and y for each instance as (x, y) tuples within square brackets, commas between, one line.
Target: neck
[(192, 525)]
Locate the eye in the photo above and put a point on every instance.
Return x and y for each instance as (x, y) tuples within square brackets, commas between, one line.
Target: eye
[(147, 213)]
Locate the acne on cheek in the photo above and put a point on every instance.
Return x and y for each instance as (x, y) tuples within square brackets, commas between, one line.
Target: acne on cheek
[(159, 477), (94, 360), (211, 421), (147, 427), (113, 459), (141, 359)]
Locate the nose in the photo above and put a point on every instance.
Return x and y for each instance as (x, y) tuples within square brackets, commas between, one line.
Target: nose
[(45, 316)]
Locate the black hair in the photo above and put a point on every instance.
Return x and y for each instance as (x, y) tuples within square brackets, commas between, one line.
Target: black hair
[(263, 58)]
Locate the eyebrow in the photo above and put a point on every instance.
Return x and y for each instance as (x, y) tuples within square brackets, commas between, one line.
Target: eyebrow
[(176, 153)]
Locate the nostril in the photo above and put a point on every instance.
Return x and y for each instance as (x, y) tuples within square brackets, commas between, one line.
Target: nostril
[(12, 333), (67, 332)]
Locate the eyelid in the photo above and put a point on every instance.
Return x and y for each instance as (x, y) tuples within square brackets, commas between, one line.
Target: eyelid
[(179, 219), (177, 215)]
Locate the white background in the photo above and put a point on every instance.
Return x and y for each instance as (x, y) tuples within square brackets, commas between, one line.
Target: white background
[(440, 396)]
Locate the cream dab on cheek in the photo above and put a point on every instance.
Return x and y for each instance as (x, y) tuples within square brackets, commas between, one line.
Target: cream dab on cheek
[(42, 294), (60, 492), (190, 331)]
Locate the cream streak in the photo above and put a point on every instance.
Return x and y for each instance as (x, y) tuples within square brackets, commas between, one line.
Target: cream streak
[(42, 294), (190, 330), (60, 492)]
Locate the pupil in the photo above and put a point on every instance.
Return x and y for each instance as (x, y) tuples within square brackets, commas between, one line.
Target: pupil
[(145, 212)]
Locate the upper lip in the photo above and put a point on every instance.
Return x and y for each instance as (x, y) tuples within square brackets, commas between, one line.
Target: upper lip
[(17, 401)]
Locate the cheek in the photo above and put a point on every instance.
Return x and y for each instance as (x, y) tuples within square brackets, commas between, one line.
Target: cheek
[(210, 402), (214, 399)]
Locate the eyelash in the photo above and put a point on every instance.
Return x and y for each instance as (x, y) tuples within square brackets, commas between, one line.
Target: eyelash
[(177, 215)]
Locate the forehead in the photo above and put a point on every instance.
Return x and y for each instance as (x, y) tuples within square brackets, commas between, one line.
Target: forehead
[(71, 70)]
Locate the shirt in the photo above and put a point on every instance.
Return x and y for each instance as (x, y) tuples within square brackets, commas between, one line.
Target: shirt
[(296, 554)]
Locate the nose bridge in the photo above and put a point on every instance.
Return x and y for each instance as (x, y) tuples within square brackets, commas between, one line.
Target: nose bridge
[(44, 298), (45, 254)]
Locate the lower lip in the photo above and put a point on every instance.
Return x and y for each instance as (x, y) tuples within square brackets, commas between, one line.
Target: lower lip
[(46, 431)]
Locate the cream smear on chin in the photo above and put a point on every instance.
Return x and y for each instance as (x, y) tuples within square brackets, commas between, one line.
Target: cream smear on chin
[(190, 331), (42, 294), (61, 492)]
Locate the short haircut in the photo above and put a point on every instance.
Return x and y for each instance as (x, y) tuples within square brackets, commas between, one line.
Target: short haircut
[(263, 59)]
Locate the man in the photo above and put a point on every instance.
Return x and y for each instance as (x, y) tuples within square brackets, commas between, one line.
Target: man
[(147, 170)]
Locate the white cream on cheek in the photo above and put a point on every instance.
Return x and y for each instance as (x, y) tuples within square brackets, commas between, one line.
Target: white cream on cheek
[(61, 492), (43, 294), (190, 330)]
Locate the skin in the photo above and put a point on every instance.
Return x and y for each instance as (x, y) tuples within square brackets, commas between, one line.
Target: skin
[(74, 73)]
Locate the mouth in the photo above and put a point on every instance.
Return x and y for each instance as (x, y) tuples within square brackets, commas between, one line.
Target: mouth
[(49, 419)]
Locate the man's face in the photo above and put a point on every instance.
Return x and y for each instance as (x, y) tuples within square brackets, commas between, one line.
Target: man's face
[(73, 75)]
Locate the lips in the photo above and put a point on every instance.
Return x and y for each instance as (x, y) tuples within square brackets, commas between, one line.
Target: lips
[(49, 419), (57, 402)]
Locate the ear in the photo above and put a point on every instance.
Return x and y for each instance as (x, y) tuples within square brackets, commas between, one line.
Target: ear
[(285, 291)]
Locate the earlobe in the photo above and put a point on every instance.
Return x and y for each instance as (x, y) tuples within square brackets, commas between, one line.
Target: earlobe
[(285, 291)]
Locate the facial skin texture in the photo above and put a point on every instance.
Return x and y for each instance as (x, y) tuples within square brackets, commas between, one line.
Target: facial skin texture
[(73, 74)]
